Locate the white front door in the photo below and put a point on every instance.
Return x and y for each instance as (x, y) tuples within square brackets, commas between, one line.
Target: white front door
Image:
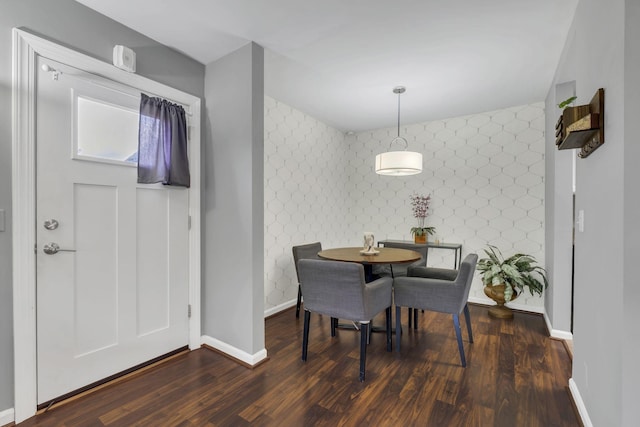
[(112, 256)]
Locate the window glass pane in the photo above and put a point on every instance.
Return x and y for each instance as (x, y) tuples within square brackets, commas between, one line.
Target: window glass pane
[(106, 131)]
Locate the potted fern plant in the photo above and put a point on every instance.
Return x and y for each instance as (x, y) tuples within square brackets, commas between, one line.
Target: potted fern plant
[(505, 279)]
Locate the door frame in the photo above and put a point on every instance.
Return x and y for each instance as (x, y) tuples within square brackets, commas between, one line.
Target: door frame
[(26, 48)]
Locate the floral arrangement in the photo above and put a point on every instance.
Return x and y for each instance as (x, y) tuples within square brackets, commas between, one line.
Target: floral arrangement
[(420, 205)]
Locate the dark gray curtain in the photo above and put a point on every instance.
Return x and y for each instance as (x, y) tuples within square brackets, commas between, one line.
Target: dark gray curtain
[(162, 143)]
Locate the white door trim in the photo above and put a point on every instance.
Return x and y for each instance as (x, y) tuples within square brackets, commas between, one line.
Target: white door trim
[(26, 48)]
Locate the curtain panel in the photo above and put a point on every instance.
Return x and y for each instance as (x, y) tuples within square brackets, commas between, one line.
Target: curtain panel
[(162, 143)]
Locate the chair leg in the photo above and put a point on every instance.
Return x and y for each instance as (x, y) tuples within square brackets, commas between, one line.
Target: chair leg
[(334, 325), (456, 324), (364, 333), (299, 301), (468, 319), (415, 319), (388, 321), (410, 317), (305, 335), (398, 327)]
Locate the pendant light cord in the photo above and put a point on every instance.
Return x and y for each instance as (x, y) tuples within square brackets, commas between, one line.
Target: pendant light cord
[(399, 115), (399, 90)]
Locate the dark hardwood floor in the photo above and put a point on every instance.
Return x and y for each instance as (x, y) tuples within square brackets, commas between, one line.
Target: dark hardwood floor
[(515, 376)]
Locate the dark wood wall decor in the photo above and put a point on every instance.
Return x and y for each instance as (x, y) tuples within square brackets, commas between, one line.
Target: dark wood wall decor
[(582, 126)]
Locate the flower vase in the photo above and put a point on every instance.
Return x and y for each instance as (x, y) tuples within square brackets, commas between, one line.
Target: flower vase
[(496, 293), (422, 238)]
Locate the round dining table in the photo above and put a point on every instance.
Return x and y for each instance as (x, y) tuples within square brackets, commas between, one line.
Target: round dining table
[(382, 255)]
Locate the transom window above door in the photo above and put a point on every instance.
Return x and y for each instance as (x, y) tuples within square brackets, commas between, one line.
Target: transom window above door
[(106, 126)]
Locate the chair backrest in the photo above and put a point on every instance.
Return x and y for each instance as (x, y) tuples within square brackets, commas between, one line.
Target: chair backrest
[(445, 291), (333, 288), (308, 251), (421, 249), (465, 274), (398, 270)]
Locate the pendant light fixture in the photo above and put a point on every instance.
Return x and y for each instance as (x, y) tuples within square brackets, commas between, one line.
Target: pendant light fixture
[(399, 163)]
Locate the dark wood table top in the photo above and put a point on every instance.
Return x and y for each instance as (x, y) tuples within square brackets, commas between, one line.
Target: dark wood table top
[(385, 255)]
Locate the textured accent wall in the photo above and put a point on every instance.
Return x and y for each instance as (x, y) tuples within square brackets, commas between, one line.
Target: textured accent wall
[(485, 174), (306, 175)]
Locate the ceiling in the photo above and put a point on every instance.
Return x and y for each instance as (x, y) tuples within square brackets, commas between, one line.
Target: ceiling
[(339, 60)]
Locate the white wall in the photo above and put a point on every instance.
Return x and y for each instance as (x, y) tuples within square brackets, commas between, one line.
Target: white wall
[(598, 54), (558, 219), (485, 173), (233, 208), (631, 249)]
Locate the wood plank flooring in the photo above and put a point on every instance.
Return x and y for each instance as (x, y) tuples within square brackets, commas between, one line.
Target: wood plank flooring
[(515, 376)]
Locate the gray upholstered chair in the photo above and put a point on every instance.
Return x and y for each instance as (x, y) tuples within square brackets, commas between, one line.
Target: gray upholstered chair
[(437, 294), (308, 251), (398, 270), (429, 273), (338, 289)]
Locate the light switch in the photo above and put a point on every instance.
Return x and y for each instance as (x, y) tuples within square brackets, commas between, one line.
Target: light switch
[(1, 219), (580, 221)]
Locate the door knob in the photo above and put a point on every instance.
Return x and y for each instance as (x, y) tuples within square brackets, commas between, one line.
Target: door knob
[(53, 248)]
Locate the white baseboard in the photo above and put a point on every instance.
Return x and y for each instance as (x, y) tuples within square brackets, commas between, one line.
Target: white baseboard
[(277, 309), (475, 300), (249, 359), (582, 409), (557, 333), (7, 416), (553, 333)]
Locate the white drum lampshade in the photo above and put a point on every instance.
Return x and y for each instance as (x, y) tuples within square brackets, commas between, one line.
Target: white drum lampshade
[(399, 163)]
